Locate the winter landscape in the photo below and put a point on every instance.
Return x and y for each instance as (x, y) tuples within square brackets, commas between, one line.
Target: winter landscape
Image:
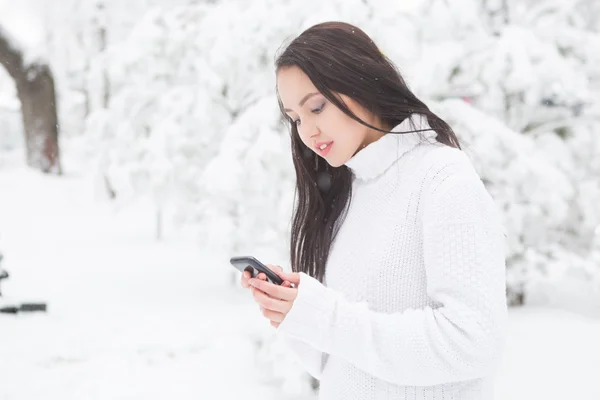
[(173, 158)]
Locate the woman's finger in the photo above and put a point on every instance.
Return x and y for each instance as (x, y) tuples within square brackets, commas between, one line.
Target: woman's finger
[(275, 291), (252, 288), (272, 315), (268, 302), (274, 268), (245, 277), (293, 277), (279, 271)]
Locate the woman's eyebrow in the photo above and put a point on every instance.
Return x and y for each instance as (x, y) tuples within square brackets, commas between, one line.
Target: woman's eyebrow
[(308, 96)]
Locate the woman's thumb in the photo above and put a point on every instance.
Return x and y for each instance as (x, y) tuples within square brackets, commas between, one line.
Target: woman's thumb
[(290, 276), (276, 268), (286, 276)]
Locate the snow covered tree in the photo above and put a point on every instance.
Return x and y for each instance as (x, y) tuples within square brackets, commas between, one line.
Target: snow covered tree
[(159, 129), (186, 74), (250, 187), (206, 65), (35, 90)]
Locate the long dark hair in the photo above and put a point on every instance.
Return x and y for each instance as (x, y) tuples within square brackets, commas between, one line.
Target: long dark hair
[(340, 58)]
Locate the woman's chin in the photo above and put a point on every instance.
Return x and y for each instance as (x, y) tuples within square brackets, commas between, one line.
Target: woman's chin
[(335, 163)]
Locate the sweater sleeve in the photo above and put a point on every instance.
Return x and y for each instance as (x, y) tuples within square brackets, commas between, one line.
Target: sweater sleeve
[(461, 338)]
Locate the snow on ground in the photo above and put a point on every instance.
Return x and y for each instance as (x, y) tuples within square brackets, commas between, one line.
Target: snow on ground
[(129, 318), (550, 354), (132, 318)]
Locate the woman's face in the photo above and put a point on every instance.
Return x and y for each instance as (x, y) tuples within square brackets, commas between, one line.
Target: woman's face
[(320, 122)]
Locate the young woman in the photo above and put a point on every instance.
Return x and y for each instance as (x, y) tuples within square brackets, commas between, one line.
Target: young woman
[(397, 249)]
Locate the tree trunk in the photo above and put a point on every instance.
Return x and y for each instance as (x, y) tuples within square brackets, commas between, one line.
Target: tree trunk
[(35, 89)]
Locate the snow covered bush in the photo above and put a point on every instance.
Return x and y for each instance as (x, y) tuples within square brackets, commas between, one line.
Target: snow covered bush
[(192, 95), (537, 197), (526, 72)]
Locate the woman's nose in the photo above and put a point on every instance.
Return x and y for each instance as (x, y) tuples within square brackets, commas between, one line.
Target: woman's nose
[(309, 133)]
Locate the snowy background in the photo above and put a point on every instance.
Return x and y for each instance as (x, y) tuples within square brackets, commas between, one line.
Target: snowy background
[(174, 159)]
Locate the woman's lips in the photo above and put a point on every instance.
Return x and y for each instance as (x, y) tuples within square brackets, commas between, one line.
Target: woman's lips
[(325, 151)]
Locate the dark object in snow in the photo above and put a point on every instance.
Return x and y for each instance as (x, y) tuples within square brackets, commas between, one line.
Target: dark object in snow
[(23, 307), (3, 274), (29, 307), (9, 310)]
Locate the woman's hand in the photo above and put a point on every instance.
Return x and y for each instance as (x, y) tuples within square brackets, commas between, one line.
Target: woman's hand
[(275, 301)]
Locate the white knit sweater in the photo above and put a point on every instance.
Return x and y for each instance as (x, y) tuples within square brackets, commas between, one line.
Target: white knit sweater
[(414, 301)]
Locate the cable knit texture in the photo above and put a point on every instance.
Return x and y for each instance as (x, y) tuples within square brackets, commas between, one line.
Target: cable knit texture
[(414, 300)]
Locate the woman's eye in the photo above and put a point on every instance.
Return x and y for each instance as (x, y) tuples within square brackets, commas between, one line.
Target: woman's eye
[(318, 110), (314, 111)]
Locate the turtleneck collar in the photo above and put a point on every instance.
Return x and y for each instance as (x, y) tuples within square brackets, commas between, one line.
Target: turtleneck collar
[(377, 157)]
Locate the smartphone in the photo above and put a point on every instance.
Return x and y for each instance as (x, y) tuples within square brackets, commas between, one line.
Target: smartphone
[(251, 264)]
